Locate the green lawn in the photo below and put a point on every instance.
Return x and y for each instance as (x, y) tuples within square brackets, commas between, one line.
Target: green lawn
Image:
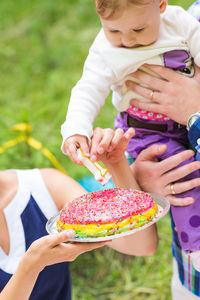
[(43, 45)]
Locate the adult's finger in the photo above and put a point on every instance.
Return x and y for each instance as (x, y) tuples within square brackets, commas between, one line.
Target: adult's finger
[(182, 171), (181, 187), (149, 106), (91, 246), (180, 201), (152, 81), (150, 153), (53, 240), (164, 72), (172, 162), (145, 92)]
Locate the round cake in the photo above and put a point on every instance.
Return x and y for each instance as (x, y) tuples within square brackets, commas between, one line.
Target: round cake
[(107, 212)]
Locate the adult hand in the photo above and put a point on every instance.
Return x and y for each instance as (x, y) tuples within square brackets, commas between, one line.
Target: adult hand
[(175, 95), (52, 249), (157, 177)]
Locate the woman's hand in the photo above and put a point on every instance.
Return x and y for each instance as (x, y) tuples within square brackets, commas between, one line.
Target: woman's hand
[(52, 249), (175, 95), (43, 252), (157, 177)]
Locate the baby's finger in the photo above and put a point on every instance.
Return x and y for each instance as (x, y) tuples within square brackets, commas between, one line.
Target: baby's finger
[(118, 135), (106, 141), (72, 153), (122, 139), (180, 201), (129, 133), (84, 146), (96, 138)]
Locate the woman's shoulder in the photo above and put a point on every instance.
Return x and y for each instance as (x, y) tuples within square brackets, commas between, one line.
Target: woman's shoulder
[(61, 187)]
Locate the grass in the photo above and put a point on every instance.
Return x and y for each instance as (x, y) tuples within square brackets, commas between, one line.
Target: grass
[(43, 45)]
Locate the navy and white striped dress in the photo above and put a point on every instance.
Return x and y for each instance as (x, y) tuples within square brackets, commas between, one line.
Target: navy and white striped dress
[(26, 217)]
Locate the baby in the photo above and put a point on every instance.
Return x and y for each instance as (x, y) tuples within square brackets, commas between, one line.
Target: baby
[(136, 32)]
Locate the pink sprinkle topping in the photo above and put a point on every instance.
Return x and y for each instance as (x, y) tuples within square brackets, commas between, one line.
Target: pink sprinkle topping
[(106, 206)]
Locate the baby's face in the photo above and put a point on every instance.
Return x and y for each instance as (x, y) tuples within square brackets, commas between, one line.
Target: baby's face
[(138, 25)]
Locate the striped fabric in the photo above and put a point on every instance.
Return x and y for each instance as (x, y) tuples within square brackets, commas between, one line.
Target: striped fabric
[(194, 10), (189, 277)]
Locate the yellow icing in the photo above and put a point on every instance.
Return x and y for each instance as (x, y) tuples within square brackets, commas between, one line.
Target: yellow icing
[(96, 228)]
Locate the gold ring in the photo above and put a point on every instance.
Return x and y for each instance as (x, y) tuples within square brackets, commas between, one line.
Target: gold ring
[(151, 95), (172, 189)]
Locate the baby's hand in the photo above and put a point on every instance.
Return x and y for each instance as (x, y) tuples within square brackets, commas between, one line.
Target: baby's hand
[(71, 145), (110, 145)]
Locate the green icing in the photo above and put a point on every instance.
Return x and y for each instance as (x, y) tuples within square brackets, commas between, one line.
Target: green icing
[(111, 231)]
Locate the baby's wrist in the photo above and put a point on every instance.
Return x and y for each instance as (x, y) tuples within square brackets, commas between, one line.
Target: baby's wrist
[(110, 163)]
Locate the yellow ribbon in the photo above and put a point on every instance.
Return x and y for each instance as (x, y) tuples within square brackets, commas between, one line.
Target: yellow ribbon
[(24, 137)]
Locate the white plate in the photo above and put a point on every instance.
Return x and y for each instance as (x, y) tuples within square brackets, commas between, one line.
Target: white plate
[(163, 208)]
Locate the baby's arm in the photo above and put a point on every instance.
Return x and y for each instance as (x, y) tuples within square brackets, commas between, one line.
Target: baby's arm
[(87, 97), (43, 252), (144, 242)]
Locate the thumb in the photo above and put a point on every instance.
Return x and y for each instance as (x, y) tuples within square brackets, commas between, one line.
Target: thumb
[(62, 237), (84, 146), (151, 152)]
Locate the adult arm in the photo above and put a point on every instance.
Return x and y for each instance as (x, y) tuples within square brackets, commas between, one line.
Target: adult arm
[(45, 251), (61, 187)]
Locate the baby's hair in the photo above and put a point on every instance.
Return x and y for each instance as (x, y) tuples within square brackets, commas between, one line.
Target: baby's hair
[(108, 9)]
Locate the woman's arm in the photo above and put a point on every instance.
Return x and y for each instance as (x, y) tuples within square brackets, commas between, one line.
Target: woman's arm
[(175, 95), (61, 187), (43, 252)]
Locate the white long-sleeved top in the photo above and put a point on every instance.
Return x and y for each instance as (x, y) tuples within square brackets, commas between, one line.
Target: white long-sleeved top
[(106, 68)]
